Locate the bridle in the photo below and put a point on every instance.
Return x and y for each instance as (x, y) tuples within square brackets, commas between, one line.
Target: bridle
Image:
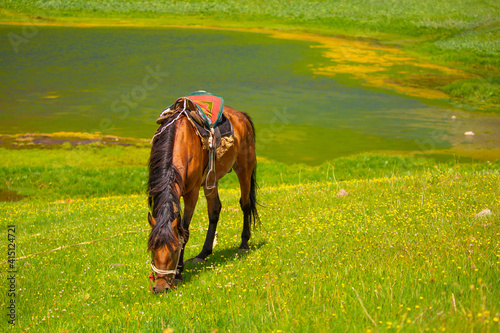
[(173, 272)]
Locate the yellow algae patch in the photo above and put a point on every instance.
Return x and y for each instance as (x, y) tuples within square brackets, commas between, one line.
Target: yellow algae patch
[(378, 66), (80, 135)]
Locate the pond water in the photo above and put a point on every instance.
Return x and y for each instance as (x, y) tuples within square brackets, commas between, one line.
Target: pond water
[(117, 80)]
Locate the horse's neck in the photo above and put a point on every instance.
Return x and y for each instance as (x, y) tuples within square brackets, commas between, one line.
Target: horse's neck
[(188, 156)]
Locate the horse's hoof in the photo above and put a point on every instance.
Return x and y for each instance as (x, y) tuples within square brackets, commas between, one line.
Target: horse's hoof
[(194, 261), (243, 250), (198, 260)]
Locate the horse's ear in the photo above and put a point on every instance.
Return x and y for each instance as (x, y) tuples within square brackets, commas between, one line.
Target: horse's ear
[(151, 220)]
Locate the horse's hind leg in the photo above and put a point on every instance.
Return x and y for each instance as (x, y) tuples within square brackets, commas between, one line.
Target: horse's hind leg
[(246, 176), (246, 233), (214, 207)]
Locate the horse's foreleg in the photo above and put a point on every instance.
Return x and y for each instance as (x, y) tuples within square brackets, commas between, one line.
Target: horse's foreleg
[(190, 200), (214, 208)]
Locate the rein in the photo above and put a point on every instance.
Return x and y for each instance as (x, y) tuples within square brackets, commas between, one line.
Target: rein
[(175, 271)]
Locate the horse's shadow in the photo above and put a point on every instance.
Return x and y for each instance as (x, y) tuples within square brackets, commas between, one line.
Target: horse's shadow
[(192, 269)]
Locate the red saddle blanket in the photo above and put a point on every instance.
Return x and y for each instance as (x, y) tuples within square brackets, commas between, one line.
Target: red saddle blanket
[(210, 105)]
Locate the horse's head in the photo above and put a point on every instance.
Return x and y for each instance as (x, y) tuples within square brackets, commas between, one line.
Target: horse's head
[(165, 255)]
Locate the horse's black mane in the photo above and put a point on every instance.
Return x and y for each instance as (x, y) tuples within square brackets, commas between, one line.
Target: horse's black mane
[(163, 200)]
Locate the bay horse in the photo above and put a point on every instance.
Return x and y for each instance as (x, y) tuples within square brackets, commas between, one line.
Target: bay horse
[(177, 167)]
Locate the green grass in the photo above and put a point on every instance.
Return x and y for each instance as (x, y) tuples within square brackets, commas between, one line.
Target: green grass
[(475, 91), (462, 34), (84, 172), (402, 252), (72, 173)]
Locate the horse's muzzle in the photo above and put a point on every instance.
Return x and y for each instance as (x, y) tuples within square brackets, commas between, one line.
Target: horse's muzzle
[(163, 284)]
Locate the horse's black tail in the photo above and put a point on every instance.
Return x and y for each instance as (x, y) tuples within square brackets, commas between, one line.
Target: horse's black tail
[(254, 216), (253, 197)]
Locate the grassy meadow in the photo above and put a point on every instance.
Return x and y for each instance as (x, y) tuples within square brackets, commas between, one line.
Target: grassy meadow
[(402, 252), (462, 34)]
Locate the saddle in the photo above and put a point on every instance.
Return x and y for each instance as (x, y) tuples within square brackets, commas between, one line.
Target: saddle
[(205, 111)]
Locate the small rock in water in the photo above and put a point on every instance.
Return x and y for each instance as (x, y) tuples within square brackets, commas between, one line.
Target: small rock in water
[(342, 193), (484, 212), (469, 133)]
